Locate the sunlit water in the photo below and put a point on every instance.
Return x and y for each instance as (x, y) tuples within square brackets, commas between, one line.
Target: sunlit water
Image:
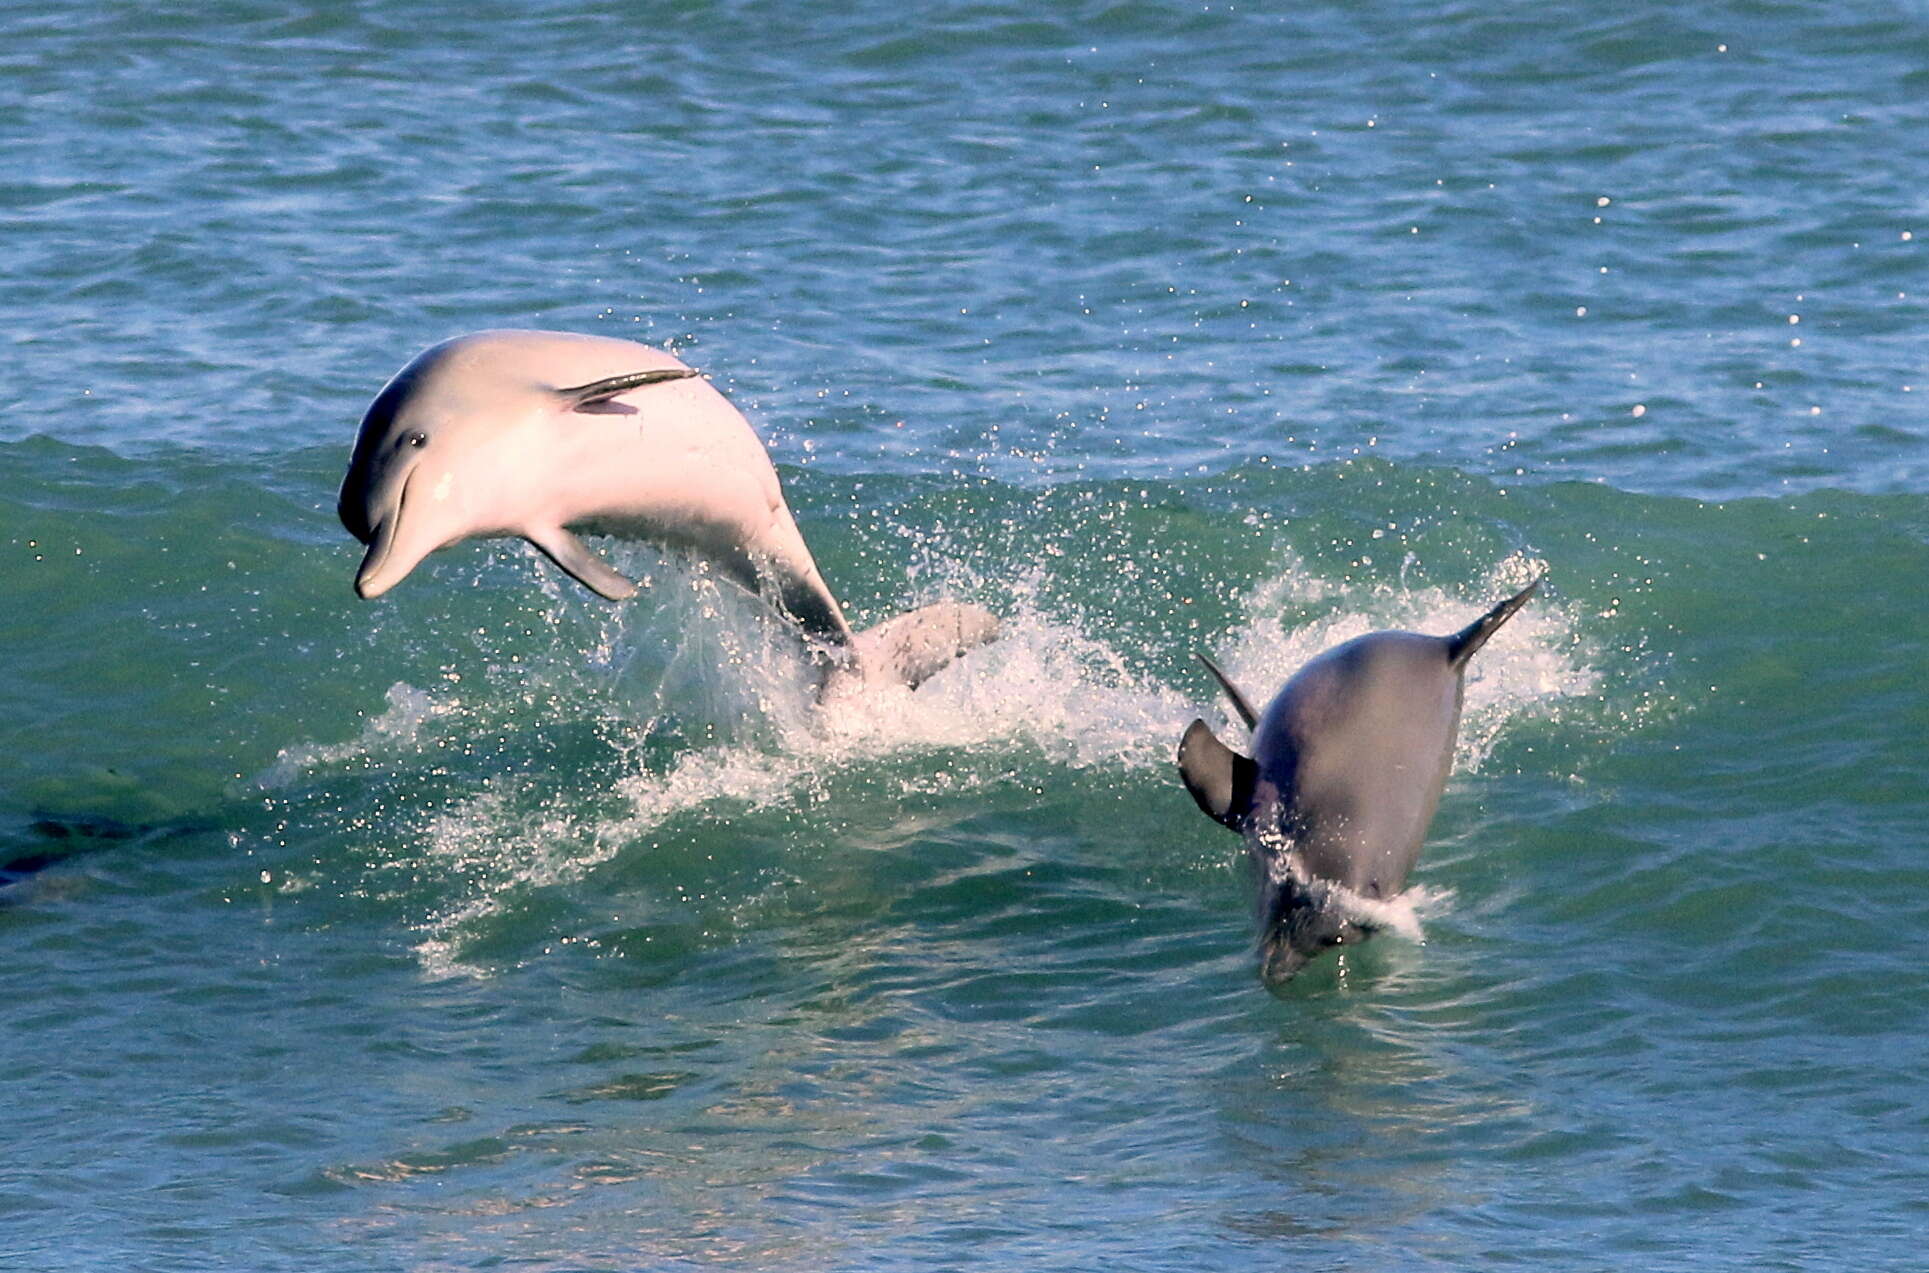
[(492, 926)]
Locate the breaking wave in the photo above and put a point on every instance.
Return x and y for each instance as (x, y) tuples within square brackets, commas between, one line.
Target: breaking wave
[(1049, 695)]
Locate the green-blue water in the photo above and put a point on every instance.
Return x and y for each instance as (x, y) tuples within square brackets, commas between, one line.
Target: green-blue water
[(490, 926)]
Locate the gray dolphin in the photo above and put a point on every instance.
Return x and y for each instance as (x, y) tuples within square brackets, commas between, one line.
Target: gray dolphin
[(543, 434), (1348, 764)]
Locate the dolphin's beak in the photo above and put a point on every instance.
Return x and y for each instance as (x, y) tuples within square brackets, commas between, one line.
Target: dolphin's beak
[(370, 581), (382, 567), (1296, 929), (1279, 960)]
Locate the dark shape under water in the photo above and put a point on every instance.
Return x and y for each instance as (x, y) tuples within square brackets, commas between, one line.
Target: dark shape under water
[(77, 834)]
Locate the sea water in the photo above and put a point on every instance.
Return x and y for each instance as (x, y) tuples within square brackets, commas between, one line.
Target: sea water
[(492, 926)]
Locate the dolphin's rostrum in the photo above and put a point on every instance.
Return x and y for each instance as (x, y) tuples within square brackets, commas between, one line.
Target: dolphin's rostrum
[(1347, 767)]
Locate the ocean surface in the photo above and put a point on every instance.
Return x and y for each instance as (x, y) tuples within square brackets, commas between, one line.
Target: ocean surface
[(492, 926)]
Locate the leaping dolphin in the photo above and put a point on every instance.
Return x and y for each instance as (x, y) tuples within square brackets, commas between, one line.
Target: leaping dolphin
[(541, 434), (1348, 764)]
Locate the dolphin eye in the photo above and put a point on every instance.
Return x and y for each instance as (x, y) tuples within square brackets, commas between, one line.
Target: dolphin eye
[(418, 439)]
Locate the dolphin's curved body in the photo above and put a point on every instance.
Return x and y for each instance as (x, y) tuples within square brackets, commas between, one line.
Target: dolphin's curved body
[(539, 435), (1347, 767)]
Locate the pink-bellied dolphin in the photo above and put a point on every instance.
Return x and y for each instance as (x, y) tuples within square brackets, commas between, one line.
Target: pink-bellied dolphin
[(1349, 761), (543, 434)]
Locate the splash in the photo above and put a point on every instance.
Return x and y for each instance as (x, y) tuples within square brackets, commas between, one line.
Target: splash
[(1400, 914), (396, 730), (1532, 665), (1050, 693), (1044, 694)]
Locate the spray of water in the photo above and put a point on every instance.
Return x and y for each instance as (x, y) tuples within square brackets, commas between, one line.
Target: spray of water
[(1532, 664), (1049, 690)]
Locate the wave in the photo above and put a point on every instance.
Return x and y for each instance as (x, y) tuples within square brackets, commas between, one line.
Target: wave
[(1054, 694)]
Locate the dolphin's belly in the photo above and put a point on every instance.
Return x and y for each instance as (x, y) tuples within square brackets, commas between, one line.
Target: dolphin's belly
[(1369, 851), (1365, 814), (1360, 775), (711, 541), (768, 556)]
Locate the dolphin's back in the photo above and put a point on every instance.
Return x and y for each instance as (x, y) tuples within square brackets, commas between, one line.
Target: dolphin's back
[(1357, 747)]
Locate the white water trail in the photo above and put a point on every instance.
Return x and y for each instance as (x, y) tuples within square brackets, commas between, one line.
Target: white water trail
[(1048, 689)]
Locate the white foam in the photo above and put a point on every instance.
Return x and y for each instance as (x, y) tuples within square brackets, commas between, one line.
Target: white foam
[(1042, 687), (1400, 914), (1534, 663), (1048, 687), (396, 730)]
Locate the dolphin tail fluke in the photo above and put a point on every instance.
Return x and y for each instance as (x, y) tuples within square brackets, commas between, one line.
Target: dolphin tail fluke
[(1464, 644), (914, 647), (1240, 703), (1220, 780)]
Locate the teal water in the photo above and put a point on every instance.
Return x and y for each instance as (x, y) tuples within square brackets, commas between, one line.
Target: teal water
[(490, 926)]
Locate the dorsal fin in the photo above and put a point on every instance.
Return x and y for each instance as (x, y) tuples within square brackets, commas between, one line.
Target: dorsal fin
[(580, 396), (1464, 644), (1239, 702)]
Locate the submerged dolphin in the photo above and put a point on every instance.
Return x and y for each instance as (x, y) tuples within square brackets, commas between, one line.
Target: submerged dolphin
[(542, 434), (1348, 764)]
